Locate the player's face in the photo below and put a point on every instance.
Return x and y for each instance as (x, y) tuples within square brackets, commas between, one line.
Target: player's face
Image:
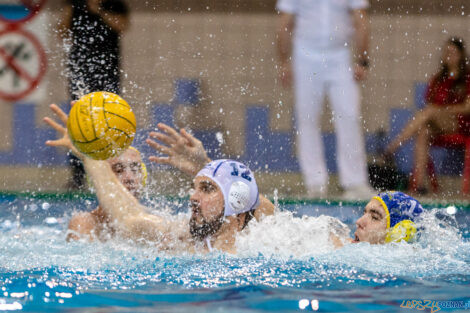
[(372, 226), (128, 169), (207, 205)]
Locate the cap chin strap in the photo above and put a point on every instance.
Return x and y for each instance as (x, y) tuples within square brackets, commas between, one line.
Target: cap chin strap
[(404, 230), (144, 173)]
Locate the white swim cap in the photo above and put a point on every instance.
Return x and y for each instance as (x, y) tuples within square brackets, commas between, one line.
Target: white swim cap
[(237, 183)]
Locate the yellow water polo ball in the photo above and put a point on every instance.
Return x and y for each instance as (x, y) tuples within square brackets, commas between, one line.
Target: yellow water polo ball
[(101, 125)]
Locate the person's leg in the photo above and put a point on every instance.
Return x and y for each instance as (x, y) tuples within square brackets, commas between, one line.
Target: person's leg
[(417, 123), (344, 98), (445, 124), (308, 107)]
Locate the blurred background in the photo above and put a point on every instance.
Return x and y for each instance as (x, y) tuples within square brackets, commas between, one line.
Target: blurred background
[(211, 66)]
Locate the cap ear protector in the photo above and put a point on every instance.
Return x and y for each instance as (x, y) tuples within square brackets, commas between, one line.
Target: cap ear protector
[(400, 210), (404, 230), (239, 196)]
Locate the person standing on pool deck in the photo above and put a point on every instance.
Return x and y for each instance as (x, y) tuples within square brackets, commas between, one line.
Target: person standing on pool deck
[(313, 45), (94, 28), (132, 173), (225, 199)]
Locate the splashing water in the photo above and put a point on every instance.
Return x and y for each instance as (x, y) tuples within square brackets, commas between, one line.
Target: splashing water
[(282, 259), (286, 236)]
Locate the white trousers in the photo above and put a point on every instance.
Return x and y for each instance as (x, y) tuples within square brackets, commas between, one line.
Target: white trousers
[(317, 74)]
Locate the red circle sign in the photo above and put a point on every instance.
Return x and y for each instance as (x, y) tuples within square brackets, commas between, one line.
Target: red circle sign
[(33, 7), (22, 64)]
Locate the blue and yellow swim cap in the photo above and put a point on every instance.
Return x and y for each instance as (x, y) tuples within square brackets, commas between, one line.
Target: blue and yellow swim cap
[(401, 212)]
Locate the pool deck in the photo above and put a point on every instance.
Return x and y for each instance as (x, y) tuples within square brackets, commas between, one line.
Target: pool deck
[(290, 192), (281, 185)]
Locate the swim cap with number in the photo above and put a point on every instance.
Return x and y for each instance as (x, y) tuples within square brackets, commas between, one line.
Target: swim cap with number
[(237, 183)]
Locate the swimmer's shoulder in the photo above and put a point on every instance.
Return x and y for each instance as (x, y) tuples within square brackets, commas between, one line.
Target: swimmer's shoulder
[(264, 208), (82, 225)]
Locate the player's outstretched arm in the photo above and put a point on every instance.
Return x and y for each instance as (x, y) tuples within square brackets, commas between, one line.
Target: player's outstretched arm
[(182, 150), (130, 216), (113, 197)]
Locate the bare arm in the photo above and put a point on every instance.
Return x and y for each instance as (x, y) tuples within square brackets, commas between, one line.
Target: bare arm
[(361, 42), (462, 108), (361, 37), (284, 36), (435, 111), (284, 47), (119, 204)]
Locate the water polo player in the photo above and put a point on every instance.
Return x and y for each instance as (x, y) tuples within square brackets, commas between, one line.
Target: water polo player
[(229, 189), (132, 173), (389, 217), (226, 184)]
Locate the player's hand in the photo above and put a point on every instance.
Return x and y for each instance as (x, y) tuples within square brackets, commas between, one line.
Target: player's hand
[(360, 72), (182, 149), (285, 74), (64, 141)]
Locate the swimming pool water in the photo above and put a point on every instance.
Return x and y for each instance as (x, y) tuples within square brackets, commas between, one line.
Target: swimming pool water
[(282, 267)]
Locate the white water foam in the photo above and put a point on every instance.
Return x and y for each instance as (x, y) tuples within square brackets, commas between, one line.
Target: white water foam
[(440, 250), (286, 236)]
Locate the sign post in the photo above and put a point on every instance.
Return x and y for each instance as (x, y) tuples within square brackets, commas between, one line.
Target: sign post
[(15, 13), (23, 60), (22, 63)]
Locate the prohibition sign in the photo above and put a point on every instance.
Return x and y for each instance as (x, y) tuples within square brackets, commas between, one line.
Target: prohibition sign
[(22, 63), (30, 7)]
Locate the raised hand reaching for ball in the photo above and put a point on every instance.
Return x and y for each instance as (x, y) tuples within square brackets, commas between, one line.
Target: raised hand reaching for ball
[(64, 141)]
